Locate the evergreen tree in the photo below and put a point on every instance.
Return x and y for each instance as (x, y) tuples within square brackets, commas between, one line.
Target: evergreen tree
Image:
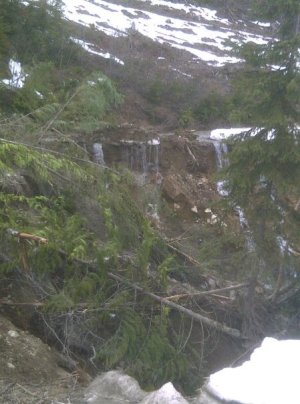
[(264, 171)]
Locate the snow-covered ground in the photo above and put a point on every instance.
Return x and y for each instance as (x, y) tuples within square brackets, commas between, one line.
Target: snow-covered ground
[(89, 47), (197, 30), (221, 134), (271, 376)]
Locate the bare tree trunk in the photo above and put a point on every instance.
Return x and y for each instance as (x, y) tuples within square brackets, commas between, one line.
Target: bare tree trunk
[(196, 316)]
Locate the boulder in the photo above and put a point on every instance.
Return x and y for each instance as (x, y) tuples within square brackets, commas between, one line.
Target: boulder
[(167, 394), (115, 387)]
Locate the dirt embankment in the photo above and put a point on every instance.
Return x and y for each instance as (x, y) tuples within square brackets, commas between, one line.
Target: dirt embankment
[(32, 372)]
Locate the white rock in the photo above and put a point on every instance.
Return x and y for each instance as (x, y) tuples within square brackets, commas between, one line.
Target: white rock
[(167, 394), (10, 365), (114, 387), (214, 219), (13, 333)]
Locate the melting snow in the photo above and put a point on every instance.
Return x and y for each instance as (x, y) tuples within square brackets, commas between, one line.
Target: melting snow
[(89, 48), (262, 24), (220, 134), (17, 75), (182, 73), (271, 376), (154, 142), (40, 95), (197, 27)]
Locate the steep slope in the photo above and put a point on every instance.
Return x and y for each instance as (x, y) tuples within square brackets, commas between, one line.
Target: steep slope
[(168, 57), (197, 30)]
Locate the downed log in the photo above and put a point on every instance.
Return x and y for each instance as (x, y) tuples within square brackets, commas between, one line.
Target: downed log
[(10, 303), (209, 292), (233, 332), (196, 316)]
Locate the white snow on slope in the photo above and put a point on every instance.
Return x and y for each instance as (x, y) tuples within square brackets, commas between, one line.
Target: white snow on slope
[(89, 47), (199, 32), (220, 134), (271, 376), (17, 75)]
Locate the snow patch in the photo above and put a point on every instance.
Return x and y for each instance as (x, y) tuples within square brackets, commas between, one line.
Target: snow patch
[(184, 34), (89, 48), (221, 134), (18, 76), (154, 142), (270, 376)]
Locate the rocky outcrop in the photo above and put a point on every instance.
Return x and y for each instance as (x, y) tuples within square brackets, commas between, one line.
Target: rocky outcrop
[(180, 165)]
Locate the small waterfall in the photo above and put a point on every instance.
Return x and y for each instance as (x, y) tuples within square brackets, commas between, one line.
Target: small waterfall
[(221, 150), (285, 250), (153, 154), (221, 161), (142, 157), (153, 157), (98, 156)]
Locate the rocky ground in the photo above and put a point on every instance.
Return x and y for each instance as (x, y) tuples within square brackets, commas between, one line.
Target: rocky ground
[(32, 372)]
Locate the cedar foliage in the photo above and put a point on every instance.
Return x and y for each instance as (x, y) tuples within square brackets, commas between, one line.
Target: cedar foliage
[(264, 170), (122, 328), (86, 213)]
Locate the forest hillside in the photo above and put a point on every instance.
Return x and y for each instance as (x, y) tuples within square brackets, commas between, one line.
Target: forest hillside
[(134, 235)]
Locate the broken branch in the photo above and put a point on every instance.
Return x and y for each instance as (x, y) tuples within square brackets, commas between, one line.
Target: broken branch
[(209, 292), (196, 316), (27, 236)]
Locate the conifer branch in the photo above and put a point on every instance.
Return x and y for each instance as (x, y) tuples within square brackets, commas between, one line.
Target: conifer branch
[(233, 332), (163, 300)]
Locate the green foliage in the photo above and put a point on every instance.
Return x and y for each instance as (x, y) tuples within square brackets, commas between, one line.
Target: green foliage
[(54, 81), (44, 167), (39, 90), (146, 351), (138, 340), (163, 270), (286, 12), (125, 219), (265, 161), (277, 159), (223, 254), (155, 92), (144, 252), (41, 27), (186, 118), (91, 101), (212, 108), (59, 303)]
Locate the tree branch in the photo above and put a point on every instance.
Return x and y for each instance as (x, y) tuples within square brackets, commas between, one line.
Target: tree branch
[(233, 332), (209, 292)]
